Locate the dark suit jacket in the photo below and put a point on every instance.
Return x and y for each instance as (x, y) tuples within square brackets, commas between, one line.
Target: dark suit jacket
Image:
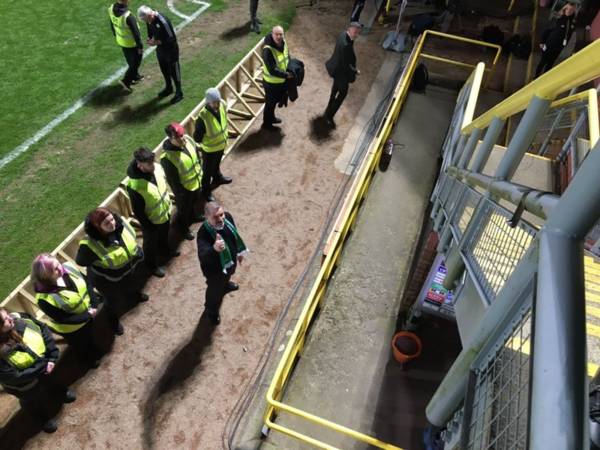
[(209, 258), (342, 64)]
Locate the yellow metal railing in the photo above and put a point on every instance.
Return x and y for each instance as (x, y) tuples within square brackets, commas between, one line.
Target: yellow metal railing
[(580, 68), (337, 238)]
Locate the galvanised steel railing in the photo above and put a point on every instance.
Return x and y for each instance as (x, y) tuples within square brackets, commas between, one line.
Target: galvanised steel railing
[(520, 380)]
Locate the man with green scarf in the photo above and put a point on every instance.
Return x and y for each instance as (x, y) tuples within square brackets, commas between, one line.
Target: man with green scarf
[(220, 249)]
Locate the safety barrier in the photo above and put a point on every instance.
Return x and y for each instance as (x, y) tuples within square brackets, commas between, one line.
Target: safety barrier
[(333, 247), (241, 91)]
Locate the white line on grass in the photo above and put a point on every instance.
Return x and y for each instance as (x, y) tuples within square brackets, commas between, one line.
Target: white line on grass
[(19, 150)]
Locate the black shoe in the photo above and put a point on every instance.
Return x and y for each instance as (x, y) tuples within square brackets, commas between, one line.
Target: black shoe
[(276, 120), (159, 272), (139, 78), (255, 27), (165, 92), (176, 98), (118, 329), (50, 426), (258, 21), (330, 122), (175, 254), (143, 297), (224, 180), (70, 396), (269, 127), (188, 236), (126, 87), (215, 319), (231, 286)]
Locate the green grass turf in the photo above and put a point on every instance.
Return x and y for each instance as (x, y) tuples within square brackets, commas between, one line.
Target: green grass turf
[(53, 52), (46, 192)]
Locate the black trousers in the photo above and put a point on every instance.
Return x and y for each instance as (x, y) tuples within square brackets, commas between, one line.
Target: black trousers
[(82, 341), (211, 170), (356, 10), (339, 90), (156, 244), (168, 62), (215, 291), (38, 400), (253, 10), (549, 57), (273, 93), (134, 60), (118, 294), (189, 209)]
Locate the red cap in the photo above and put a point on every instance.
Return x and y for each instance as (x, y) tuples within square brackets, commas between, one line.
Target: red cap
[(179, 130)]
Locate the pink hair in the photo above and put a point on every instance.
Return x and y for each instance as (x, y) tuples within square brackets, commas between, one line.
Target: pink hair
[(41, 270)]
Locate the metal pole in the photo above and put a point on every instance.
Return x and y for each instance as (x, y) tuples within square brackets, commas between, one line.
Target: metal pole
[(458, 149), (524, 134), (559, 409), (454, 266), (445, 239), (485, 149), (469, 148)]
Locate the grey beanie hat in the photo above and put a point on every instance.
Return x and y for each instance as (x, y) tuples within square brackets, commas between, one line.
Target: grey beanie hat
[(212, 95)]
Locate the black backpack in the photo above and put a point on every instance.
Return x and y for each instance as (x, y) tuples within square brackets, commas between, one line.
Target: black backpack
[(420, 78), (519, 45)]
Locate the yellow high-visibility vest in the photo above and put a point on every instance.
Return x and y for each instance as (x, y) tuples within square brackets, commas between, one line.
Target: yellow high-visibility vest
[(33, 339), (282, 60), (215, 138), (156, 196), (114, 256), (187, 164), (68, 301), (123, 33)]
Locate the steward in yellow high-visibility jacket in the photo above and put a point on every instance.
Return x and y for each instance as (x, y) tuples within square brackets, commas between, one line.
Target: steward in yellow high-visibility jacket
[(28, 354), (212, 134), (65, 296), (112, 257), (181, 163), (127, 34), (151, 204), (276, 58)]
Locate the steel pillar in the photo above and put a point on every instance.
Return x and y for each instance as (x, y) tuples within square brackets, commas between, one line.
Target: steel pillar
[(467, 153), (458, 150), (523, 137), (489, 140)]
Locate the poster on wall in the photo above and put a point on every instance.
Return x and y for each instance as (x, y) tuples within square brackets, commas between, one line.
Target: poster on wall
[(434, 296)]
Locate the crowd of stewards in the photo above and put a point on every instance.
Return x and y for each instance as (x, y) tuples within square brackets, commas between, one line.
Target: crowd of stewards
[(111, 268)]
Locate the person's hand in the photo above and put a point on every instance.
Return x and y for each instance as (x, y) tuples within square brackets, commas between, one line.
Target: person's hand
[(141, 51), (290, 75), (152, 42), (240, 259), (219, 244), (50, 367), (92, 312)]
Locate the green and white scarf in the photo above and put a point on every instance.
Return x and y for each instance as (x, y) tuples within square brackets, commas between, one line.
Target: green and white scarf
[(225, 255)]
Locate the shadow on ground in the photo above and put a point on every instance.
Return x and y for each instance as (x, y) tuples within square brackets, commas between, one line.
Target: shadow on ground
[(108, 95), (319, 130), (139, 113), (236, 33), (261, 139), (175, 377)]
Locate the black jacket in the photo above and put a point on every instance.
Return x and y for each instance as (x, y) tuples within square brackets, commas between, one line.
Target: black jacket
[(119, 10), (269, 59), (171, 171), (342, 64), (208, 256), (556, 38), (161, 29), (10, 375), (138, 204), (86, 257), (60, 316)]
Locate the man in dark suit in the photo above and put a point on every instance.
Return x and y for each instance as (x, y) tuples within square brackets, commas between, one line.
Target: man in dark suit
[(220, 249), (342, 68)]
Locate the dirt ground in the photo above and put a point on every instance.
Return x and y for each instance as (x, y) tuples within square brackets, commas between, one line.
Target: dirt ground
[(172, 381)]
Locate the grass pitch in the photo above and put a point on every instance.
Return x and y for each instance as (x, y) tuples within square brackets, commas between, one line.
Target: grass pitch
[(45, 193)]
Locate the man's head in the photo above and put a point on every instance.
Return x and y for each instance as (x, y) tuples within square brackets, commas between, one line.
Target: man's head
[(354, 29), (215, 215), (277, 34), (213, 98), (570, 8), (175, 133), (146, 14), (144, 159)]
